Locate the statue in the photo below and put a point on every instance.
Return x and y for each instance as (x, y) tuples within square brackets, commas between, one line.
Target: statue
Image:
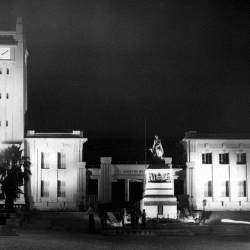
[(157, 151)]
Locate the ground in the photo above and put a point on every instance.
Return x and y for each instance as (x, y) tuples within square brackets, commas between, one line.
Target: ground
[(51, 239)]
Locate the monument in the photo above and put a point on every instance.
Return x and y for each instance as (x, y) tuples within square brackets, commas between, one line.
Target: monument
[(158, 197)]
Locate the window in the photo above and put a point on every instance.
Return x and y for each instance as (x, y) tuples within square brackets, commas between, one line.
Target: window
[(242, 189), (0, 96), (225, 189), (207, 158), (61, 189), (7, 123), (8, 71), (224, 158), (44, 189), (7, 96), (0, 71), (61, 160), (241, 158), (208, 189), (44, 160)]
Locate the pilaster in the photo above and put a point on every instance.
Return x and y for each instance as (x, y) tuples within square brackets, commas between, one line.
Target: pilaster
[(190, 181), (105, 179), (81, 184)]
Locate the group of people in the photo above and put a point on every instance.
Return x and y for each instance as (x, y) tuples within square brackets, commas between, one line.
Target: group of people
[(135, 216), (103, 215)]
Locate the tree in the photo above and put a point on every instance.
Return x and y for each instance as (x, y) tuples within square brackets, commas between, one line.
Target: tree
[(14, 173)]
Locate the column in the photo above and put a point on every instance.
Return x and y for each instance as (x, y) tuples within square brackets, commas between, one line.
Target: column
[(81, 185), (127, 190), (248, 176), (190, 181), (105, 179)]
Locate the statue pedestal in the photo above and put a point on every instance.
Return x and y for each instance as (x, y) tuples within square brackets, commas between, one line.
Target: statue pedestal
[(158, 198)]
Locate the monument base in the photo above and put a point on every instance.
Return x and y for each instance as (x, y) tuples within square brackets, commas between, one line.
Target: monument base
[(158, 200), (160, 207)]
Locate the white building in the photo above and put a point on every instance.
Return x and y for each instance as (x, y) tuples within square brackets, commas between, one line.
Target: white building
[(56, 159), (13, 84), (216, 178), (56, 168), (218, 170)]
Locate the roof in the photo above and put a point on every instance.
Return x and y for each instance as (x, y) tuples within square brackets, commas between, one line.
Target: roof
[(159, 167), (74, 134), (7, 40), (194, 135)]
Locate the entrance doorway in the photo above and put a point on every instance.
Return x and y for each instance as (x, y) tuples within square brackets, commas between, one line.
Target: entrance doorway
[(135, 190), (92, 187), (118, 191)]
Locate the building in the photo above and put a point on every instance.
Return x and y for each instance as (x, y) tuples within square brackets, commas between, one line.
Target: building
[(218, 170), (216, 177), (13, 84), (56, 168), (118, 182), (56, 159)]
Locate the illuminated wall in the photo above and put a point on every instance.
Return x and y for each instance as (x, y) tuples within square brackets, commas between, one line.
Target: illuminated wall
[(56, 164), (218, 171), (13, 84)]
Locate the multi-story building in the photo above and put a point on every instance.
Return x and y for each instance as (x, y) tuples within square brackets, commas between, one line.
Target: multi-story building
[(218, 171), (56, 159), (13, 84)]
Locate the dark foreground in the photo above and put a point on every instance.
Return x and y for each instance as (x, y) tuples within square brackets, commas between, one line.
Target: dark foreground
[(52, 239)]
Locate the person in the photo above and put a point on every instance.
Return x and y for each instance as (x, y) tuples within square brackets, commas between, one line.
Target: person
[(143, 218), (90, 212), (103, 217)]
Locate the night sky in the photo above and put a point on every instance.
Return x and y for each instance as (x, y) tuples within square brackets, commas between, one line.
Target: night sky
[(111, 67)]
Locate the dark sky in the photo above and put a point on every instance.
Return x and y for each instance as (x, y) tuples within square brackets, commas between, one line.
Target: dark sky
[(107, 66)]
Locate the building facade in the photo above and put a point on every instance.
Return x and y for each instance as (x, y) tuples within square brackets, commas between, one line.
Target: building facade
[(218, 171), (112, 182), (13, 84), (56, 159), (216, 176), (56, 163)]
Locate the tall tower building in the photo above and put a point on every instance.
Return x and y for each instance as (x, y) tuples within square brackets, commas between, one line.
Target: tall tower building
[(13, 84)]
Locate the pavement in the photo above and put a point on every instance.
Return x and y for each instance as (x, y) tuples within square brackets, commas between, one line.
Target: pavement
[(53, 239), (53, 234)]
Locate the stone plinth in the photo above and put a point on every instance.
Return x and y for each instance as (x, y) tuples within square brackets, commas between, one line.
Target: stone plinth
[(158, 198)]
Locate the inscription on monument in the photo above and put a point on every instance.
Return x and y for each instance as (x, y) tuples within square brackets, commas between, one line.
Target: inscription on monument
[(159, 177)]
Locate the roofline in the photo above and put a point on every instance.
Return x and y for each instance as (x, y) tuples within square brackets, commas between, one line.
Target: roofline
[(200, 136), (74, 134)]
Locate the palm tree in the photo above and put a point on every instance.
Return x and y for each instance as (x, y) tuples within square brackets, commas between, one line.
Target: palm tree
[(14, 173)]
